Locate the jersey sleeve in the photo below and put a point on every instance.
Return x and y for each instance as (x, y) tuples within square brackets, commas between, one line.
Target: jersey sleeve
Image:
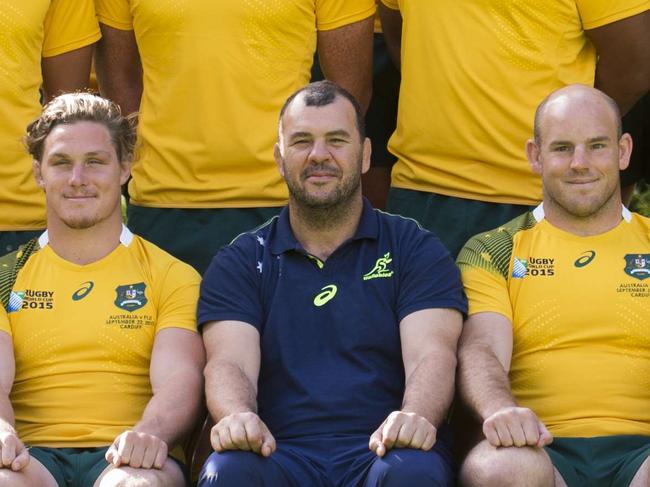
[(69, 25), (483, 273), (231, 286), (115, 13), (392, 4), (178, 297), (428, 276), (331, 14), (596, 13)]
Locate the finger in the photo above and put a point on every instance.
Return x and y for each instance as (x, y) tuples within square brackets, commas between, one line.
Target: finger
[(389, 432), (160, 459), (124, 449), (254, 435), (268, 444), (215, 441), (517, 433), (505, 439), (21, 461), (405, 434), (430, 439), (375, 440), (419, 435), (8, 452), (150, 455), (491, 434), (225, 438), (112, 456), (238, 436), (545, 437), (531, 431), (137, 455)]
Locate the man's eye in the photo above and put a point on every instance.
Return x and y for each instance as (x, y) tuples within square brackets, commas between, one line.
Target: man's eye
[(598, 145)]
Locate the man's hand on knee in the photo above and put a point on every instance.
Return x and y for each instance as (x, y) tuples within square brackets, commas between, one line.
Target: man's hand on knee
[(403, 430), (137, 450), (515, 426), (13, 454), (242, 431)]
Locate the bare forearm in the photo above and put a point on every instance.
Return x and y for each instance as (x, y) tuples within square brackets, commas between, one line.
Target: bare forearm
[(228, 390), (174, 408), (119, 69), (430, 387), (483, 382), (7, 418)]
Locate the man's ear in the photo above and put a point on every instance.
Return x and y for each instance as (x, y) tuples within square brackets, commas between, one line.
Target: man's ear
[(277, 155), (366, 156), (624, 151), (532, 154), (36, 171), (125, 171)]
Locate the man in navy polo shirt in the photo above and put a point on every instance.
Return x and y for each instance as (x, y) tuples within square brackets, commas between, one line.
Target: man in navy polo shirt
[(331, 331)]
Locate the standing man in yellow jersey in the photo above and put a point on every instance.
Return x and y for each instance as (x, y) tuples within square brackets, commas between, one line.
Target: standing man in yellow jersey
[(555, 355), (472, 74), (100, 360), (213, 77), (42, 43)]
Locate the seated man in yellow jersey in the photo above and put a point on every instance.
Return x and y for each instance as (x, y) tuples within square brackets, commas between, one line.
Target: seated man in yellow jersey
[(44, 44), (100, 360), (555, 354)]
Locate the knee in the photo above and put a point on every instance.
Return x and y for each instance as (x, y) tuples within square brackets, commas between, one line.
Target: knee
[(232, 469), (414, 468), (8, 478), (487, 466)]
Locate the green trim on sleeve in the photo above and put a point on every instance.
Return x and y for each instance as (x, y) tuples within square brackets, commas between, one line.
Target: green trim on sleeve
[(10, 266)]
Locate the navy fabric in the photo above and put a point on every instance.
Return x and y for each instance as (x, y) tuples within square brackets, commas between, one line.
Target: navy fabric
[(330, 367), (333, 462)]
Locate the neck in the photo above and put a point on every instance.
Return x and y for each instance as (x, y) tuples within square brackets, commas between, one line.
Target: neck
[(84, 246), (322, 230), (603, 220)]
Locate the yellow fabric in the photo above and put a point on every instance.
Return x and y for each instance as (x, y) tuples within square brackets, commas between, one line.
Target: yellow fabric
[(215, 76), (581, 350), (82, 366), (29, 30), (473, 73)]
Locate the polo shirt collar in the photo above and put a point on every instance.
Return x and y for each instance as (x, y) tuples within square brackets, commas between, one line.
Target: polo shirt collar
[(284, 239)]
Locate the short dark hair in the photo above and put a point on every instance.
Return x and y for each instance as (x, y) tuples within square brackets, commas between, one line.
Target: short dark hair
[(83, 107), (539, 113), (322, 93)]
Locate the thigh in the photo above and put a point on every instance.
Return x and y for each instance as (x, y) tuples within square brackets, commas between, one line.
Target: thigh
[(286, 467), (41, 473), (398, 467)]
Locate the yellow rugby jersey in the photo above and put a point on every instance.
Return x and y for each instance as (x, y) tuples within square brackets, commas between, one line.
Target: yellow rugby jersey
[(83, 337), (215, 76), (473, 72), (580, 313), (30, 30)]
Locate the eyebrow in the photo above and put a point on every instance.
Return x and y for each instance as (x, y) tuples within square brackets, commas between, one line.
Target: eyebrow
[(602, 138), (340, 133), (92, 153)]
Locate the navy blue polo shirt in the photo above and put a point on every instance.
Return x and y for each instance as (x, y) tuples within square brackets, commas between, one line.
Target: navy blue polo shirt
[(331, 360)]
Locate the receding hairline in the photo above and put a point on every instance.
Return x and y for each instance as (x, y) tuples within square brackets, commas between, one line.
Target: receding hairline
[(581, 90)]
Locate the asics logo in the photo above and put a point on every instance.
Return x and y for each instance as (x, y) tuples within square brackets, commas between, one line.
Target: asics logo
[(328, 292), (585, 258), (83, 291)]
